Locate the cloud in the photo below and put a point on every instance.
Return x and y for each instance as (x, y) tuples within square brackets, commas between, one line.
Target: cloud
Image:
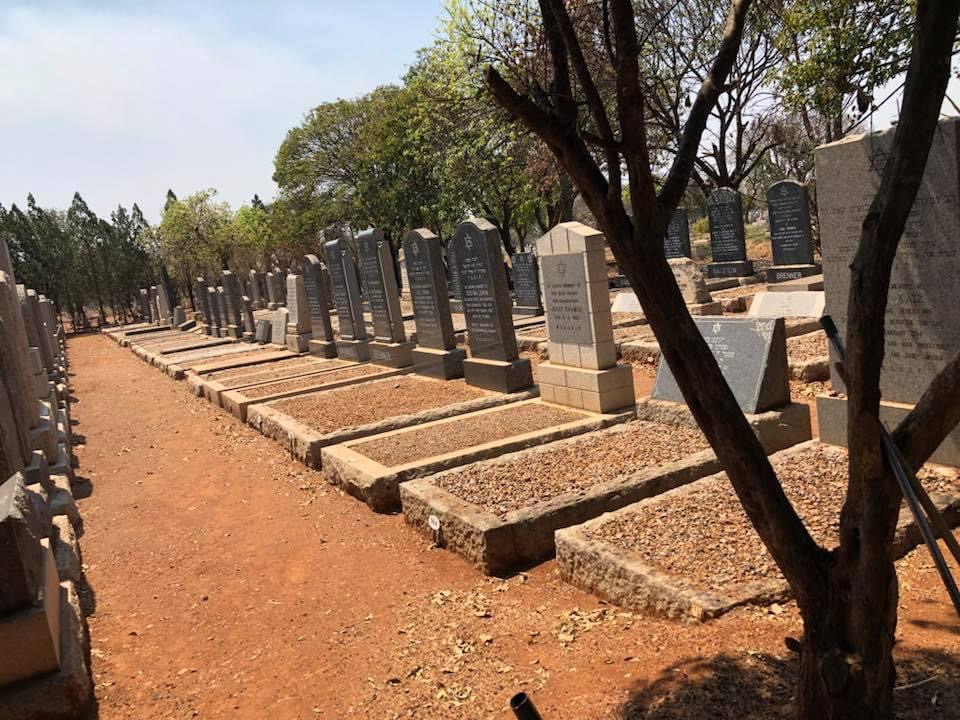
[(121, 105)]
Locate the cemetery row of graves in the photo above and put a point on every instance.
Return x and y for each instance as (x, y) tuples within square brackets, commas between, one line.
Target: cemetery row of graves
[(505, 424)]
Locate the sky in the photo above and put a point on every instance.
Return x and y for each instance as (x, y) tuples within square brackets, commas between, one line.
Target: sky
[(120, 100)]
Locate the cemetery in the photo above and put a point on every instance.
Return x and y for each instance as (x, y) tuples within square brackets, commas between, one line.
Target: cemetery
[(662, 426)]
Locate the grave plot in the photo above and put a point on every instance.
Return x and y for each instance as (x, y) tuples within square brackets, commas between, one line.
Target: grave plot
[(177, 364), (501, 514), (195, 344), (257, 356), (307, 423), (809, 357), (372, 469), (237, 401), (212, 384), (692, 553)]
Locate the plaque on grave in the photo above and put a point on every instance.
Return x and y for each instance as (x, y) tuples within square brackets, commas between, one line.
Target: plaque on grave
[(568, 305), (802, 304), (318, 302), (428, 290), (677, 242), (380, 284), (278, 333), (752, 354), (345, 290), (788, 211), (526, 282)]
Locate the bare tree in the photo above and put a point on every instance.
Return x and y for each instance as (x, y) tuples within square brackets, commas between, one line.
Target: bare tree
[(847, 596)]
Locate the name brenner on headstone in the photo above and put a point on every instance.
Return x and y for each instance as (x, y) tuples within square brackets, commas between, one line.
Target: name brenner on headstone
[(436, 354), (352, 344), (788, 214), (727, 244), (494, 362), (389, 346)]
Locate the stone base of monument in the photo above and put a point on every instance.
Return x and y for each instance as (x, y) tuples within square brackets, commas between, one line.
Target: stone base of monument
[(187, 325), (236, 402), (776, 429), (501, 519), (736, 268), (372, 469), (248, 337), (299, 343), (526, 311), (395, 355), (306, 443), (439, 364), (44, 438), (804, 284), (782, 273), (608, 555), (193, 345), (38, 471), (498, 375), (832, 420), (323, 348), (64, 463), (595, 390), (353, 350), (68, 692)]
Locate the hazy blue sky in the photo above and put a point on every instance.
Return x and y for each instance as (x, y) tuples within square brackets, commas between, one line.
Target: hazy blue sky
[(121, 100)]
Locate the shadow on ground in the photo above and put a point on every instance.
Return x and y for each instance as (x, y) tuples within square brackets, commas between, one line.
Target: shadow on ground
[(761, 687)]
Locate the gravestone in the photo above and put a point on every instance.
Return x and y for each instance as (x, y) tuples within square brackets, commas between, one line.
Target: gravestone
[(202, 302), (404, 274), (389, 346), (318, 303), (582, 371), (271, 292), (787, 305), (231, 301), (163, 300), (751, 353), (22, 556), (254, 290), (280, 285), (345, 288), (225, 320), (21, 409), (526, 284), (727, 243), (677, 242), (788, 214), (249, 325), (692, 287), (494, 362), (214, 304), (299, 329), (154, 310), (179, 317), (263, 332), (278, 331), (436, 354), (922, 325), (455, 286), (144, 305)]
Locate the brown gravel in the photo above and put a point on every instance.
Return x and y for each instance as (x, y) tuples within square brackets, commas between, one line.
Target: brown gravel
[(318, 379), (280, 373), (803, 348), (250, 369), (739, 291), (441, 439), (704, 537), (369, 402), (504, 485)]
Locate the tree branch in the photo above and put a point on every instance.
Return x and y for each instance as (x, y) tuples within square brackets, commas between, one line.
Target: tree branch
[(920, 433)]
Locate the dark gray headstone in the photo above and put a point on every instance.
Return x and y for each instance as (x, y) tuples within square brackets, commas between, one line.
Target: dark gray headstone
[(725, 212), (752, 354), (568, 304), (202, 301), (345, 290), (231, 298), (380, 283), (318, 302), (249, 326), (214, 304), (677, 242), (225, 319), (428, 290), (486, 301), (253, 288), (788, 212), (526, 281), (145, 303)]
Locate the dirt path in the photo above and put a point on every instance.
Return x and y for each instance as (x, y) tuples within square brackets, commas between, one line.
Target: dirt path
[(232, 582)]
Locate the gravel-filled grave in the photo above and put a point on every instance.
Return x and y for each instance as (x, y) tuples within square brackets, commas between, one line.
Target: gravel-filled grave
[(701, 536), (334, 376), (281, 373), (811, 346), (500, 486), (293, 362), (369, 402), (399, 449)]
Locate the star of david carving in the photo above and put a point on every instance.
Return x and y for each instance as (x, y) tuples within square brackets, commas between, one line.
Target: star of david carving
[(415, 249), (468, 242), (561, 268)]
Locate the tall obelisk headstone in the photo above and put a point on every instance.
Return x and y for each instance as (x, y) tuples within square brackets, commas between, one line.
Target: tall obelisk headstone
[(494, 362), (254, 290), (389, 346), (318, 303), (271, 292), (353, 344), (231, 301), (249, 326), (299, 329), (214, 303), (436, 354)]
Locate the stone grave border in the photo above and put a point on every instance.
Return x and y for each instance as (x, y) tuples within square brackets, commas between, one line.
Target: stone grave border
[(213, 390), (197, 376), (378, 485), (306, 444), (617, 575)]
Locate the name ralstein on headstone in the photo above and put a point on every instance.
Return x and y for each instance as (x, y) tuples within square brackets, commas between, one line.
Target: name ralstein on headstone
[(788, 215), (271, 292), (436, 354), (526, 283), (214, 306), (676, 244), (318, 303), (389, 346), (249, 325), (254, 289), (582, 371), (353, 344), (231, 301), (494, 362), (922, 326), (727, 243), (752, 355), (299, 329), (278, 332)]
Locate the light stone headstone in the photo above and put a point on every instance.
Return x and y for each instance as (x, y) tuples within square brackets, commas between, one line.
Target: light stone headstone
[(264, 331), (278, 334), (271, 292), (751, 353), (800, 304), (144, 297)]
